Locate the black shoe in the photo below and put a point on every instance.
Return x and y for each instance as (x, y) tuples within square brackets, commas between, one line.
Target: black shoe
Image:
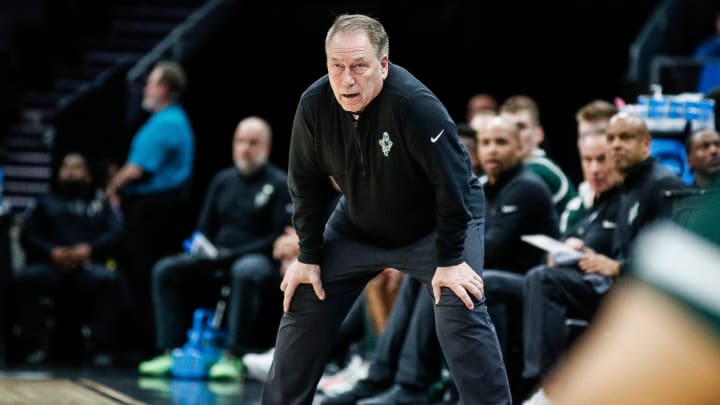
[(363, 389), (399, 394), (36, 357), (102, 359)]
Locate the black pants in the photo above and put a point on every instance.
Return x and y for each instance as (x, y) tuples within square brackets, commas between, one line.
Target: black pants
[(183, 283), (94, 292), (408, 352), (308, 330), (551, 296), (155, 226)]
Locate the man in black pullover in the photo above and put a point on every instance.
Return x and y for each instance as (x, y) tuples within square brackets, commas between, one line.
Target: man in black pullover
[(559, 290), (409, 202), (71, 239), (246, 208), (644, 186), (518, 203)]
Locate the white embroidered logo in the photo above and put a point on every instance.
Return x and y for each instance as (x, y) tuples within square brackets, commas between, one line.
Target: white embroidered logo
[(506, 209), (263, 196), (385, 143), (632, 214), (608, 225), (435, 138)]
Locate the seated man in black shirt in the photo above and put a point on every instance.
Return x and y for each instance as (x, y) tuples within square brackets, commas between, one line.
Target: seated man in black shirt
[(559, 290), (70, 238), (246, 208)]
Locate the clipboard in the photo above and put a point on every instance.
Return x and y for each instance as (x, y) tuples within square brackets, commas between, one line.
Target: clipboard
[(553, 246)]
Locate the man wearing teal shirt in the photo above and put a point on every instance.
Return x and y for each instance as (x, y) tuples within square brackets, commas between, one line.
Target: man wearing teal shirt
[(152, 186)]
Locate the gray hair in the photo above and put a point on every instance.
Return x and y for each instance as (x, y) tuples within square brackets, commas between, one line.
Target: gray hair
[(359, 22)]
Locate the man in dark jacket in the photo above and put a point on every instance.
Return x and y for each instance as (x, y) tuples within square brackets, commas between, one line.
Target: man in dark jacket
[(409, 202), (645, 186), (246, 208), (556, 291), (71, 239), (518, 203)]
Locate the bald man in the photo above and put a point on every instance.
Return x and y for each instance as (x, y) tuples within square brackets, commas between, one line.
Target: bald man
[(246, 208)]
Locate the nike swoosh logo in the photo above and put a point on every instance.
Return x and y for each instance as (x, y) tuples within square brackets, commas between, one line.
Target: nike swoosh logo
[(435, 138), (609, 225)]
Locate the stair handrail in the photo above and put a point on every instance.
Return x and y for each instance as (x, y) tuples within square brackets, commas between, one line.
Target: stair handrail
[(174, 45), (177, 45)]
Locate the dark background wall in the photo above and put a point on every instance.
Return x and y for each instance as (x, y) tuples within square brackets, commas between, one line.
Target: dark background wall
[(563, 54), (258, 62)]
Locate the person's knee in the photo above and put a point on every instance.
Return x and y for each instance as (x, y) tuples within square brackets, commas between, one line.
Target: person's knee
[(452, 319), (106, 277), (538, 276), (163, 269), (32, 274), (252, 267), (494, 286), (543, 279)]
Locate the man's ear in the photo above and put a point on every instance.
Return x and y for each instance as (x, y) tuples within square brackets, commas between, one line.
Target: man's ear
[(539, 135)]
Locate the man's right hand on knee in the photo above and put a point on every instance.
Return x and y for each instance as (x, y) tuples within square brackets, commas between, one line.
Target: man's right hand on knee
[(300, 273)]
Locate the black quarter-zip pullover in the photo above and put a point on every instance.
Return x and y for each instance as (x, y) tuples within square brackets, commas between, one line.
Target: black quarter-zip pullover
[(401, 167)]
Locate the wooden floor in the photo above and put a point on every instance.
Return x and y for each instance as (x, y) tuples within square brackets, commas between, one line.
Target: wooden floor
[(71, 385), (60, 391)]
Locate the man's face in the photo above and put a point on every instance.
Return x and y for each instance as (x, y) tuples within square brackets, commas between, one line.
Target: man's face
[(499, 150), (155, 93), (530, 133), (597, 166), (704, 156), (356, 74), (628, 143), (251, 147), (74, 170)]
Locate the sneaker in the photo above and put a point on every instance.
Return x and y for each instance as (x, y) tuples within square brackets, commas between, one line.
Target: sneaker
[(257, 365), (345, 379), (363, 389), (539, 398), (158, 366), (227, 368)]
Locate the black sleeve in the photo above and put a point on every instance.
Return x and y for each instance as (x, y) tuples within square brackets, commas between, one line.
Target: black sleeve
[(433, 141), (34, 234), (527, 203), (107, 243), (207, 221), (310, 188)]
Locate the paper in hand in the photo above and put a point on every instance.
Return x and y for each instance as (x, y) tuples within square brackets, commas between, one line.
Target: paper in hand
[(560, 252)]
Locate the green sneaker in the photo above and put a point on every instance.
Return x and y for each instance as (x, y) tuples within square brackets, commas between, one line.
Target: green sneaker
[(227, 368), (158, 366)]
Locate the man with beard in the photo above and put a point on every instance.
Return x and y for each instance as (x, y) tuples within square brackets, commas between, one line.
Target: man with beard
[(69, 237), (153, 187), (703, 155), (246, 208)]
